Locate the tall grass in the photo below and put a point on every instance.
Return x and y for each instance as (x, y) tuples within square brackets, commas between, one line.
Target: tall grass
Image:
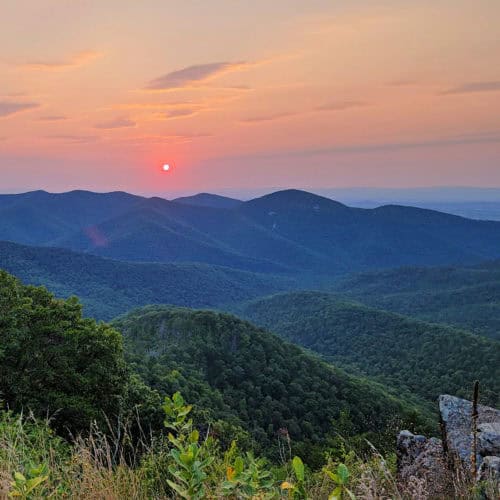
[(107, 466)]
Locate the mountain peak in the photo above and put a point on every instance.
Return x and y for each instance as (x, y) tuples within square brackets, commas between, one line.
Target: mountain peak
[(295, 198), (209, 200)]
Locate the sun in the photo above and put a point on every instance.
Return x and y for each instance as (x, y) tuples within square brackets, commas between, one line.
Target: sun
[(165, 167)]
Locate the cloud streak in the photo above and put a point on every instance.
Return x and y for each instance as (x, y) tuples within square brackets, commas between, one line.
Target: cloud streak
[(472, 87), (52, 118), (75, 139), (116, 123), (76, 61), (192, 75), (481, 138), (8, 108), (342, 105), (181, 112), (268, 118)]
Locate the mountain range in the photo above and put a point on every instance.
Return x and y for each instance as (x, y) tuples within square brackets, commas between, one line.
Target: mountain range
[(288, 232)]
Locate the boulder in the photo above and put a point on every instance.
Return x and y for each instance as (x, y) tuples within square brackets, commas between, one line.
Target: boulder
[(427, 467), (456, 418), (422, 466), (488, 439), (490, 468)]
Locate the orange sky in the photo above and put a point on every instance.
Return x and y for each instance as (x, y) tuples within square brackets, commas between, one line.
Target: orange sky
[(236, 94)]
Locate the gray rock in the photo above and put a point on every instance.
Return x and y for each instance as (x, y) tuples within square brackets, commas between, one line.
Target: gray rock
[(490, 468), (489, 439), (421, 461), (456, 416)]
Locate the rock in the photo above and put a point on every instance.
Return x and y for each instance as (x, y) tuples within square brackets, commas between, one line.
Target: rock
[(422, 466), (488, 439), (456, 417), (427, 468), (490, 468)]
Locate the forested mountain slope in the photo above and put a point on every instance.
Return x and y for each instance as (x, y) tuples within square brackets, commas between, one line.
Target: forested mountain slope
[(425, 359), (108, 288), (463, 296), (253, 378)]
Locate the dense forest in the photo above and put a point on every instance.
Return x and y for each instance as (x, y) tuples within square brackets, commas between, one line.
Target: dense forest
[(423, 358), (467, 297), (255, 380), (108, 288)]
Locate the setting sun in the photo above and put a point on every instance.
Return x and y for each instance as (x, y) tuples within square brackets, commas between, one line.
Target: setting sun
[(166, 167)]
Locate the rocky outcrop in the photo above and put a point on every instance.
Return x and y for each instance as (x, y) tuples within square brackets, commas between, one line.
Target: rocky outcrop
[(456, 418), (422, 466), (434, 462)]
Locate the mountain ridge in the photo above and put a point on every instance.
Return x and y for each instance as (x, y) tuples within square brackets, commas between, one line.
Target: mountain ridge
[(289, 231)]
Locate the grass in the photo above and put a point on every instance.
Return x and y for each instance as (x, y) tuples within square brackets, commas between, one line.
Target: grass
[(101, 466)]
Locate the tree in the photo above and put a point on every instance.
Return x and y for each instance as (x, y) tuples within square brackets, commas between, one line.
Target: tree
[(53, 362)]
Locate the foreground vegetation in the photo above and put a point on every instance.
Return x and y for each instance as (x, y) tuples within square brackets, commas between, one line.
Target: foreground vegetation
[(35, 463), (184, 463)]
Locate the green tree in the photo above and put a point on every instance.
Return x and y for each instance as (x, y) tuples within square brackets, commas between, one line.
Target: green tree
[(52, 361)]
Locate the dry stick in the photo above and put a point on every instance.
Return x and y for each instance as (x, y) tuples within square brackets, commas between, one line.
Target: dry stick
[(474, 429)]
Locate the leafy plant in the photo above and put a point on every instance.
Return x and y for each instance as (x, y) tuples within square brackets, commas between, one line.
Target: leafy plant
[(296, 490), (30, 485), (250, 479), (189, 463), (341, 479)]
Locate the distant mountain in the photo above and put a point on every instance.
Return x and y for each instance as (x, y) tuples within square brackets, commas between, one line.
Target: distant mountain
[(424, 359), (255, 380), (209, 200), (108, 288), (40, 218), (467, 297), (291, 232)]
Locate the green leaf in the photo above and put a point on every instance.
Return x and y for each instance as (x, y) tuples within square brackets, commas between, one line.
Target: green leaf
[(19, 477), (239, 465), (331, 475), (194, 437), (336, 494), (343, 473), (31, 484), (178, 489), (298, 468)]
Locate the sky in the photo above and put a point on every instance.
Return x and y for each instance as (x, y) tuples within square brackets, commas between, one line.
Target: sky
[(239, 95)]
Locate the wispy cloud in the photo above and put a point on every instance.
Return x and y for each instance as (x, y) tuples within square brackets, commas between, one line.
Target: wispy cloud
[(268, 118), (74, 62), (52, 118), (463, 139), (193, 75), (8, 108), (466, 88), (403, 82), (166, 138), (75, 139), (120, 122), (181, 112), (342, 105)]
